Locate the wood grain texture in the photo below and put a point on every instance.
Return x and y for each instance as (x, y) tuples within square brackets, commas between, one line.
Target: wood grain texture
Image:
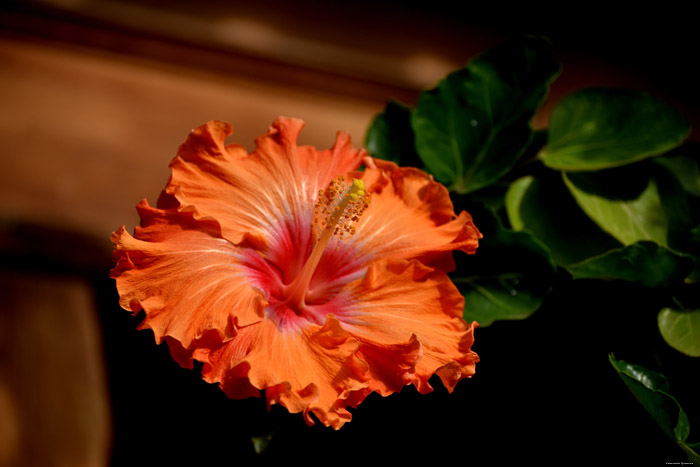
[(85, 136), (53, 397)]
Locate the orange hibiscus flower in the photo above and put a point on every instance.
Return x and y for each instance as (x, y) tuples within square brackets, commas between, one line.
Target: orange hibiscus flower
[(288, 270)]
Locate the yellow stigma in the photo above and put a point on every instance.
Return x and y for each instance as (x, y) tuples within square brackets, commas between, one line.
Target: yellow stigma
[(339, 207), (336, 213)]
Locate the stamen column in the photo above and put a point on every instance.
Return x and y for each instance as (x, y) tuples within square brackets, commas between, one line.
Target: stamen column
[(338, 208)]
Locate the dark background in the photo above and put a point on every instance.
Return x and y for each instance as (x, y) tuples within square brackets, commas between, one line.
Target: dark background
[(544, 393)]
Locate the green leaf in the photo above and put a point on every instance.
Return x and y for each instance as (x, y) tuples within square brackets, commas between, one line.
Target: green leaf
[(652, 390), (684, 164), (508, 277), (390, 136), (692, 451), (681, 330), (642, 262), (475, 124), (602, 128), (624, 203), (683, 212), (492, 197), (544, 207), (514, 196), (639, 202)]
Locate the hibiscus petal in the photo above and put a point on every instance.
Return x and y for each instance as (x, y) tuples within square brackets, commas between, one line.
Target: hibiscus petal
[(411, 216), (255, 193), (311, 369), (401, 301), (189, 281), (390, 366)]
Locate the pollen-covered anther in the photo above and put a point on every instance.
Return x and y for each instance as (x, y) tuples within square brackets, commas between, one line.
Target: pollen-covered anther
[(339, 207)]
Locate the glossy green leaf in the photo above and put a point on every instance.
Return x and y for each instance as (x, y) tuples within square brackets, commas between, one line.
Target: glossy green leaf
[(692, 451), (544, 207), (684, 163), (683, 212), (652, 390), (681, 330), (643, 262), (475, 124), (514, 197), (508, 278), (390, 136), (602, 128), (626, 205)]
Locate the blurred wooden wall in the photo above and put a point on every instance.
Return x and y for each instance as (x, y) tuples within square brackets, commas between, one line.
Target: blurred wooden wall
[(97, 95), (53, 391)]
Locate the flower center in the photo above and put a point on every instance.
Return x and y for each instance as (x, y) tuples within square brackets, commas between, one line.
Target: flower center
[(337, 210)]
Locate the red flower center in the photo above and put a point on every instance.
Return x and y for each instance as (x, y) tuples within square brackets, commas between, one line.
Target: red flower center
[(312, 263)]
